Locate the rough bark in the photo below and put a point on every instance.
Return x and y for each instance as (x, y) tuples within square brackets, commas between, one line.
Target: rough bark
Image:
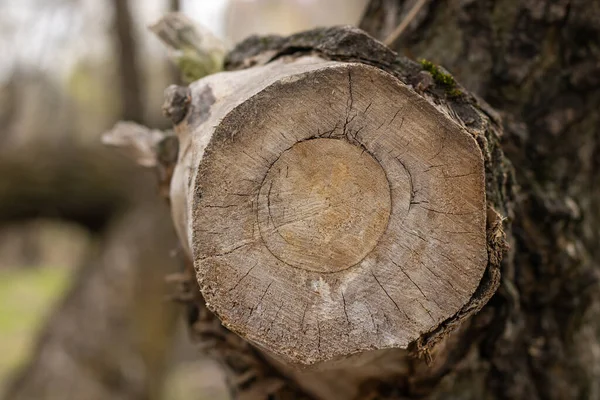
[(538, 63)]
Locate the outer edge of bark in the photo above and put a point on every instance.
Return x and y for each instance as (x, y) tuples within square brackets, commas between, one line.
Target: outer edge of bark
[(341, 43), (346, 43)]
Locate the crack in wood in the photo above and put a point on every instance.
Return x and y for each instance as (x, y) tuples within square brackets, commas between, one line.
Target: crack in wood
[(390, 297), (395, 115), (349, 105), (226, 252), (448, 212), (375, 326), (434, 166), (221, 206), (261, 299), (414, 234), (242, 278), (345, 311), (441, 147), (413, 192), (383, 123), (319, 335), (428, 312), (273, 320), (409, 278), (458, 176), (302, 321), (448, 281)]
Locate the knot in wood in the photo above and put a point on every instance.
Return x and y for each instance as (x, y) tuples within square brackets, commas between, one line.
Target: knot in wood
[(177, 103)]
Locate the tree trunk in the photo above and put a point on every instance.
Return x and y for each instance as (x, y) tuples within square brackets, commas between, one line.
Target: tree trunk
[(538, 63), (111, 336), (375, 159), (174, 5), (109, 339), (41, 181)]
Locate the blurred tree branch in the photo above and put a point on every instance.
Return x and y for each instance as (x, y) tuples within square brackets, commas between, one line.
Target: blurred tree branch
[(85, 185)]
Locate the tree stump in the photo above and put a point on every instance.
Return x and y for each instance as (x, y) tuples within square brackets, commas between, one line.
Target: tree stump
[(329, 209)]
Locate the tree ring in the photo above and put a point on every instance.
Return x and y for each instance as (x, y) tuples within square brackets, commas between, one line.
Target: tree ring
[(323, 206)]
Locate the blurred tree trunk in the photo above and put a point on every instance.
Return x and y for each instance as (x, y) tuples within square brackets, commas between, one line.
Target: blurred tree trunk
[(129, 72), (111, 336), (174, 6)]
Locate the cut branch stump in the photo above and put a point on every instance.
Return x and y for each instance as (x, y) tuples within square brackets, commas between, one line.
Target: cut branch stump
[(329, 208)]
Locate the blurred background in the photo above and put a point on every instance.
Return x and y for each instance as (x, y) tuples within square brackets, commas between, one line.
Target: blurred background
[(85, 241)]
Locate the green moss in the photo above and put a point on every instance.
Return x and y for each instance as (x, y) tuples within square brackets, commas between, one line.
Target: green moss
[(194, 65), (191, 68), (455, 92), (441, 78)]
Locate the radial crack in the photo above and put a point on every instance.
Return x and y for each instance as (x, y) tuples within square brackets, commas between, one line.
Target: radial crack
[(345, 311), (261, 299), (390, 297), (409, 278), (243, 277)]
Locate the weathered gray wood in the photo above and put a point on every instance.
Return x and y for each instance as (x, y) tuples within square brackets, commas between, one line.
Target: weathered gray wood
[(329, 209)]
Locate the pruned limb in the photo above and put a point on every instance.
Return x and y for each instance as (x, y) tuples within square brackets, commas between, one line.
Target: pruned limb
[(283, 165), (331, 210)]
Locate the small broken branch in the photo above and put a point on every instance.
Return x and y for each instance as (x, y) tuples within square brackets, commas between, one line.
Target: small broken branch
[(194, 49), (149, 148)]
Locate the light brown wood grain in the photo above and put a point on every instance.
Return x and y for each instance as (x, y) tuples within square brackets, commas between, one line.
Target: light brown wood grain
[(328, 208)]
